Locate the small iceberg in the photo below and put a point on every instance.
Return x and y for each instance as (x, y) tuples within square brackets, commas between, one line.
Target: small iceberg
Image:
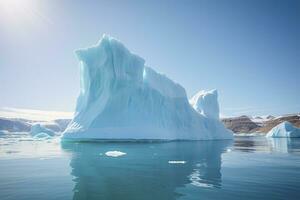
[(39, 131), (285, 129), (115, 153), (176, 162)]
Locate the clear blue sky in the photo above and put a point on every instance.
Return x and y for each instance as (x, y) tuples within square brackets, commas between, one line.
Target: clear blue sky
[(249, 50)]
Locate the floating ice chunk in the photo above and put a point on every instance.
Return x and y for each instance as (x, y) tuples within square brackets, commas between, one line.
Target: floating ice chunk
[(115, 153), (37, 129), (285, 129), (176, 162)]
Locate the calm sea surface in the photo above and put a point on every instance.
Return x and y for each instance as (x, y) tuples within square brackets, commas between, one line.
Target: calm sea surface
[(246, 168)]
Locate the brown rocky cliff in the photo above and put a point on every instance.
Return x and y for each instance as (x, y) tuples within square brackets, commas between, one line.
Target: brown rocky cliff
[(243, 124)]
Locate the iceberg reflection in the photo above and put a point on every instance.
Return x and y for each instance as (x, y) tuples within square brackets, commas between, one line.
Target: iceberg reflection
[(145, 171), (285, 145)]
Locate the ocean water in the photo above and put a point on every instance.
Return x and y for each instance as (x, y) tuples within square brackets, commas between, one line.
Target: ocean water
[(246, 168)]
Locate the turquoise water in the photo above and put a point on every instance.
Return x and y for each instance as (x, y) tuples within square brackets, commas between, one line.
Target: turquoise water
[(246, 168)]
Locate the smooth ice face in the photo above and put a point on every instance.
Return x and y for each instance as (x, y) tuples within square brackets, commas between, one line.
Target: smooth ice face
[(285, 129), (206, 103), (121, 98)]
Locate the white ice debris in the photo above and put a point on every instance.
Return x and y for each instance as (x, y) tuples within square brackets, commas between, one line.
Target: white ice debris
[(115, 153), (176, 162)]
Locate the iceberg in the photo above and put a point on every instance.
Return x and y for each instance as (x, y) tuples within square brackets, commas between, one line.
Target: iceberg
[(37, 130), (284, 129), (122, 98)]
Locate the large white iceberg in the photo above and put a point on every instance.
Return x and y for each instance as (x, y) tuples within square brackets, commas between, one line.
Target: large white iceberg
[(121, 98), (284, 129)]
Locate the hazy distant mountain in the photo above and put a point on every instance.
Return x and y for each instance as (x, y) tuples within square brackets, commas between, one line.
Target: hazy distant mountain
[(261, 124), (24, 125), (14, 125)]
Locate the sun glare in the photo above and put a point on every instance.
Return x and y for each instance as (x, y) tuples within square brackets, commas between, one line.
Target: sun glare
[(16, 12), (13, 7)]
